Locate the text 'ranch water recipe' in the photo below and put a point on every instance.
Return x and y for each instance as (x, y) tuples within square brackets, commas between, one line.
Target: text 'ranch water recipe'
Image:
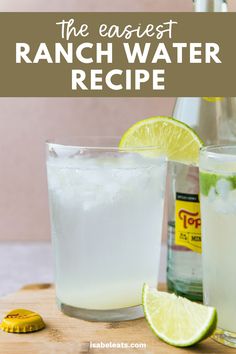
[(106, 216)]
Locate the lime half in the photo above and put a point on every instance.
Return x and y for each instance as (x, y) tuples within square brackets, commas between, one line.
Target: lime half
[(176, 140), (176, 320)]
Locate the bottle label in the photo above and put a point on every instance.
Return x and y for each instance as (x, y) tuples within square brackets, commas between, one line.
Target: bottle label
[(188, 221)]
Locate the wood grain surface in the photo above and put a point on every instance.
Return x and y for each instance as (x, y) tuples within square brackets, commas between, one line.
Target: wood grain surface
[(66, 335)]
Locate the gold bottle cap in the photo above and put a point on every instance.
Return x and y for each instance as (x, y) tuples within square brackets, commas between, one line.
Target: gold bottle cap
[(22, 321)]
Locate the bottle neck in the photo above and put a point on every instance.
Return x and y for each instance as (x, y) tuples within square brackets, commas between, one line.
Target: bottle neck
[(210, 5)]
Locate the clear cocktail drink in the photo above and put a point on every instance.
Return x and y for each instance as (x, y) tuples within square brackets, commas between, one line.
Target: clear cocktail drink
[(106, 218), (218, 209)]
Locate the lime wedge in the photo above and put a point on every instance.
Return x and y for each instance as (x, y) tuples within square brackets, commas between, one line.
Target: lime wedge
[(213, 99), (209, 180), (176, 320), (176, 140)]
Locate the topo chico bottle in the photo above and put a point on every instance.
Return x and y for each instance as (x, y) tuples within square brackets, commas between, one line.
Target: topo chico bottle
[(214, 119)]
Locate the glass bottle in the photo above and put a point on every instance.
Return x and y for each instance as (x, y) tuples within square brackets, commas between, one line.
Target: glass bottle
[(214, 119)]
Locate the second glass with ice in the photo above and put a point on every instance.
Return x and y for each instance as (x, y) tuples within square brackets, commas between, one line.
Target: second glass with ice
[(218, 208)]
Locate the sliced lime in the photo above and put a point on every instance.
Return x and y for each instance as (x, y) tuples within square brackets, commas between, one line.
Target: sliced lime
[(175, 139), (209, 180), (176, 320)]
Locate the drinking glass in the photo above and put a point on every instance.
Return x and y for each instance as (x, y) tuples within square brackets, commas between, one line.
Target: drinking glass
[(106, 207), (218, 212)]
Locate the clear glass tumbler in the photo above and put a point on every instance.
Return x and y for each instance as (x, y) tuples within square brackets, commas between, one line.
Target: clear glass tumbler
[(106, 206), (218, 211)]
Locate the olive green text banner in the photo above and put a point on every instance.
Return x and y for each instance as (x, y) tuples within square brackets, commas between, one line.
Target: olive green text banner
[(117, 54)]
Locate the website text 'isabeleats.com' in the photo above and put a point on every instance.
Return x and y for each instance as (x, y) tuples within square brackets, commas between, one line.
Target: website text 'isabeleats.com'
[(117, 345)]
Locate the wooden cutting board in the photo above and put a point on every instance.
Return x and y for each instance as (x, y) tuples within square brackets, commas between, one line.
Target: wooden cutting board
[(66, 335)]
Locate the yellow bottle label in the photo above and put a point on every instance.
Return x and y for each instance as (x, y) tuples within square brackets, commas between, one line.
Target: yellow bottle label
[(188, 221)]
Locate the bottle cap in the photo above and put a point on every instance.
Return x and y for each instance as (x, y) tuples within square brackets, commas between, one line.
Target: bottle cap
[(22, 321)]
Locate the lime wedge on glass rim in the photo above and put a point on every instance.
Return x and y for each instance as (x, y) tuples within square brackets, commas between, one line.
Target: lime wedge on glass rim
[(177, 320), (176, 140)]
